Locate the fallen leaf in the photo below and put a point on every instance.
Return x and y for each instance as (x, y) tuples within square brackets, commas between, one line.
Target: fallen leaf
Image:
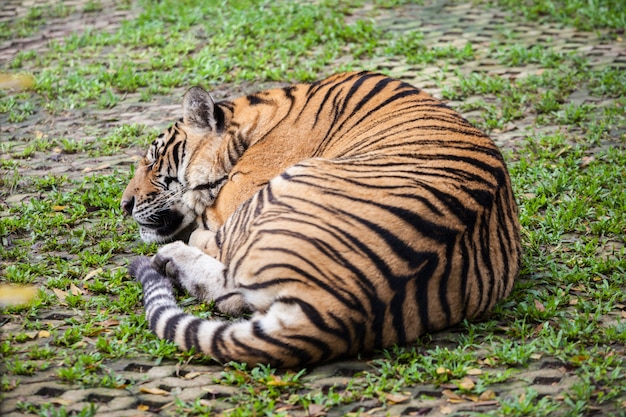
[(586, 160), (539, 306), (276, 381), (16, 82), (487, 395), (43, 334), (283, 409), (490, 361), (441, 370), (474, 371), (31, 335), (11, 295), (536, 356), (168, 405), (61, 295), (92, 274), (154, 391), (316, 410), (452, 396), (58, 208), (192, 375), (74, 290), (143, 407), (98, 168), (573, 301), (466, 384), (108, 323), (445, 410), (397, 398)]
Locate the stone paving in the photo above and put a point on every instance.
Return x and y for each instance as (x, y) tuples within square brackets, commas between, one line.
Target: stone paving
[(157, 386)]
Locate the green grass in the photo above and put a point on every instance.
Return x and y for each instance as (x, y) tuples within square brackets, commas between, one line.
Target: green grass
[(65, 232), (582, 14)]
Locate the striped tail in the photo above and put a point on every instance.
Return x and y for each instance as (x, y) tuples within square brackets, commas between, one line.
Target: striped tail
[(254, 340)]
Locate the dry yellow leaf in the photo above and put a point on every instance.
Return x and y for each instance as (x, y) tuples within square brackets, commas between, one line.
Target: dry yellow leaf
[(192, 375), (441, 370), (452, 396), (16, 82), (92, 274), (397, 398), (487, 395), (79, 345), (43, 334), (466, 384), (74, 290), (490, 361), (474, 371), (32, 335), (58, 208), (143, 407), (108, 323), (97, 168), (61, 295), (154, 391), (445, 410), (11, 295)]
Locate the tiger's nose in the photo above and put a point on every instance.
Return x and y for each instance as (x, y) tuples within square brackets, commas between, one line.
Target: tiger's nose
[(128, 205)]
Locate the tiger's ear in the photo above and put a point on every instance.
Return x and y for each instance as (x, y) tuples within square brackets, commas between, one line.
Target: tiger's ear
[(199, 109)]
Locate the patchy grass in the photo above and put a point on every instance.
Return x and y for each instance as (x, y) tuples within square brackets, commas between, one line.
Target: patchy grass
[(582, 14), (65, 233)]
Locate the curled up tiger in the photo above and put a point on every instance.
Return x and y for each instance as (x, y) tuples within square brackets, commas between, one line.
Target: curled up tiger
[(347, 215)]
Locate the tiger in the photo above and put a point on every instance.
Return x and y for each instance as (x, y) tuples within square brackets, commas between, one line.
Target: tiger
[(328, 220)]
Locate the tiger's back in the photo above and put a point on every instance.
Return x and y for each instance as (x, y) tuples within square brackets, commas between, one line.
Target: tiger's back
[(389, 216)]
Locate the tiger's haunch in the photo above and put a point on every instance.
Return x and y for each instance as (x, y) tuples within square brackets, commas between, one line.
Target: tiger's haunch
[(346, 215)]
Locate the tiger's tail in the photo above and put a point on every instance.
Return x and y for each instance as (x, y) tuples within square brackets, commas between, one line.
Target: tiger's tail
[(254, 340)]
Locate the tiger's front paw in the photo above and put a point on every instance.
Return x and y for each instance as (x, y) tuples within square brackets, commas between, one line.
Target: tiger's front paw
[(191, 269)]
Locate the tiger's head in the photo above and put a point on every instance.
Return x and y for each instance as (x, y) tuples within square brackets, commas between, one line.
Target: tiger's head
[(182, 172)]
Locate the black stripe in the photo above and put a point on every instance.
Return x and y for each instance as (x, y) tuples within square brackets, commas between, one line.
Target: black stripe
[(156, 315), (293, 351), (169, 332), (256, 99), (218, 343), (191, 335), (211, 185)]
